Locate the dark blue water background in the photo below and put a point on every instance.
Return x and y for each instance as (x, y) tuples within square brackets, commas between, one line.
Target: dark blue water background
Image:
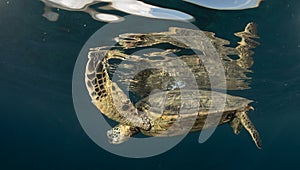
[(39, 127)]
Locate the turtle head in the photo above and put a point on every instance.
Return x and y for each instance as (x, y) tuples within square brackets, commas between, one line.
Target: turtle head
[(120, 133), (116, 136)]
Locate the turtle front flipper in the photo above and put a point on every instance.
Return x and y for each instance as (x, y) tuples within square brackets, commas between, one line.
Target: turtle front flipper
[(121, 133), (106, 95), (246, 122)]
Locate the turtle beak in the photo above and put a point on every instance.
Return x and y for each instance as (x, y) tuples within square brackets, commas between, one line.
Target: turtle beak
[(114, 138)]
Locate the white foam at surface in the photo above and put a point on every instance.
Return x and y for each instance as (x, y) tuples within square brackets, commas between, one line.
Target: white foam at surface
[(71, 4), (107, 17), (140, 8), (226, 4), (133, 7)]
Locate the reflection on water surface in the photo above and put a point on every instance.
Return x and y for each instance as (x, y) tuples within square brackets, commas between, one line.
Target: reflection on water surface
[(139, 8)]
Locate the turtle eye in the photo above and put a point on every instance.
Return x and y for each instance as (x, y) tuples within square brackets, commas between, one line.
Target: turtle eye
[(229, 116)]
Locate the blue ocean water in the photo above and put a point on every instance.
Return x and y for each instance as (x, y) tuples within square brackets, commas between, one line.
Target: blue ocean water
[(39, 126)]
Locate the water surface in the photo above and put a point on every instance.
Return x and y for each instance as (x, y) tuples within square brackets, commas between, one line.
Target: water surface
[(39, 125)]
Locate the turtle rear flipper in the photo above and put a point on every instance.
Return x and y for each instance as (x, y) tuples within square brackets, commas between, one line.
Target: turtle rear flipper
[(236, 125), (246, 122)]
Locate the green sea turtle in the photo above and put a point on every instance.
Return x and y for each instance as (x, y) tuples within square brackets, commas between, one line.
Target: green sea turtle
[(166, 112)]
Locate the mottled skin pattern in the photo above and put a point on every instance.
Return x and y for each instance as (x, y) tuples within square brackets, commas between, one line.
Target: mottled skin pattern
[(248, 125), (179, 116)]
